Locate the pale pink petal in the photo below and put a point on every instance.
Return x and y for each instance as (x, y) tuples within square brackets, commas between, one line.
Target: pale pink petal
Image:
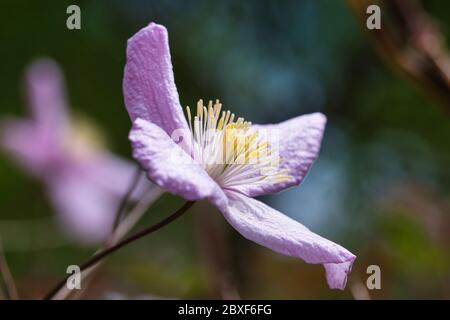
[(148, 85), (170, 167), (298, 140), (270, 228), (47, 96), (115, 175), (85, 210), (337, 273), (29, 146)]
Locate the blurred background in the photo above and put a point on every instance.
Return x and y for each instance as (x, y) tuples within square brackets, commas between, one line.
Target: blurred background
[(381, 185)]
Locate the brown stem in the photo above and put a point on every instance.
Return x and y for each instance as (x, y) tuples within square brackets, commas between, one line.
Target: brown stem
[(118, 217), (102, 254), (126, 198), (410, 41), (8, 280)]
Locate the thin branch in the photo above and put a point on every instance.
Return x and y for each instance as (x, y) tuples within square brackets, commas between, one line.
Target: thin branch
[(8, 280), (128, 222), (87, 275), (123, 203), (101, 255), (411, 43)]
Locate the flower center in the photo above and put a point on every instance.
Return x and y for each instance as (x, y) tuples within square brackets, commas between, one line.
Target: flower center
[(232, 151), (82, 140)]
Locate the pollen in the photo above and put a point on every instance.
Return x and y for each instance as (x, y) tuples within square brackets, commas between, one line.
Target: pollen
[(231, 150)]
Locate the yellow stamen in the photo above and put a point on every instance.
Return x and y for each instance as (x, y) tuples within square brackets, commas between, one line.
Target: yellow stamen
[(230, 150)]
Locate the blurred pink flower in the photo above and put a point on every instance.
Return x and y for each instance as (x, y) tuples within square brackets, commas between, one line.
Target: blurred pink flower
[(84, 182), (193, 170)]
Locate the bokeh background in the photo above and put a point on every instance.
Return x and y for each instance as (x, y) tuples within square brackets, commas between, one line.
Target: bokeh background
[(381, 185)]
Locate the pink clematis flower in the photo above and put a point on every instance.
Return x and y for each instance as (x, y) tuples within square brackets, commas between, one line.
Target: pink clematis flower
[(197, 167), (84, 182)]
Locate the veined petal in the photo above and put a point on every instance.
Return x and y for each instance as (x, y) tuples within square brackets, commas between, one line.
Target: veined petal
[(46, 95), (298, 141), (272, 229), (170, 167), (148, 85)]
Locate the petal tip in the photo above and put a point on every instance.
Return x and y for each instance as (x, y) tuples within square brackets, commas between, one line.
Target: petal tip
[(318, 118), (337, 273), (151, 30), (156, 27)]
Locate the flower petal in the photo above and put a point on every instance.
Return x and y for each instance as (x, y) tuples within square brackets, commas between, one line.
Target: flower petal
[(298, 142), (170, 167), (46, 95), (25, 142), (270, 228), (85, 210), (115, 175), (148, 85)]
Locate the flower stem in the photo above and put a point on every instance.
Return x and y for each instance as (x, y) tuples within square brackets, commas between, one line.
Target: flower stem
[(125, 225), (126, 198), (10, 286), (102, 254)]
